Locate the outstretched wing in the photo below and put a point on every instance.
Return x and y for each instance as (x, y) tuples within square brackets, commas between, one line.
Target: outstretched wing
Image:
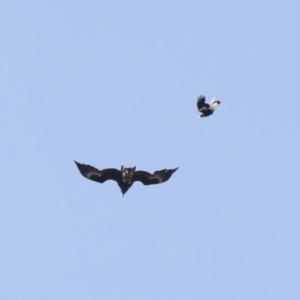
[(157, 177), (213, 99), (201, 105), (100, 176)]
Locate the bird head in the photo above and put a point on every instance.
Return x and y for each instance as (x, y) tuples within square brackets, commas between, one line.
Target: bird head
[(127, 174), (215, 104)]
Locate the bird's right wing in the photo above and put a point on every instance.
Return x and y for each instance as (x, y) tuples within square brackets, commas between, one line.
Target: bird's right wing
[(201, 105), (142, 176), (157, 177), (100, 176), (200, 101)]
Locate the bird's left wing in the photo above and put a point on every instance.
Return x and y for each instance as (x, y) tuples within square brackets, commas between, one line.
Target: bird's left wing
[(100, 176), (157, 177), (213, 99)]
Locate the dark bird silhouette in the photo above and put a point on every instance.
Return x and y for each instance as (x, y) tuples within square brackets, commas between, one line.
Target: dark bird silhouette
[(205, 108), (126, 177)]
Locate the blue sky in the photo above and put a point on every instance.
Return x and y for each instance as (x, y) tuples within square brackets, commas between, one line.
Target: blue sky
[(115, 82)]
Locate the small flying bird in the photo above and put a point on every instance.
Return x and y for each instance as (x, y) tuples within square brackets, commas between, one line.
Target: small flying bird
[(126, 177), (205, 108)]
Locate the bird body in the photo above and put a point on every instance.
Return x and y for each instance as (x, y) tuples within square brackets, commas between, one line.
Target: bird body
[(126, 177), (207, 109)]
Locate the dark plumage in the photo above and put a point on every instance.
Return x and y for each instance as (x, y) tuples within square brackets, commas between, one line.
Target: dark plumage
[(126, 177), (205, 108)]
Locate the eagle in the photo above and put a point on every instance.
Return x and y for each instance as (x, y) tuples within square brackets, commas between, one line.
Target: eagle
[(126, 177), (207, 109)]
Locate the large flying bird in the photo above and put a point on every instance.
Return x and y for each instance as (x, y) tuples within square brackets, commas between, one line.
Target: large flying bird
[(205, 108), (126, 177)]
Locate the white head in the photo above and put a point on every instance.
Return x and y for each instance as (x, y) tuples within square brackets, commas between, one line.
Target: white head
[(215, 104)]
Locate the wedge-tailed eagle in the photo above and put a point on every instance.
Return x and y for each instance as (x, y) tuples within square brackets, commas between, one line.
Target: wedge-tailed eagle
[(126, 177)]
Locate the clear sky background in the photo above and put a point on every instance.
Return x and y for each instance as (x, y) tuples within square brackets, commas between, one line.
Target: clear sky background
[(108, 83)]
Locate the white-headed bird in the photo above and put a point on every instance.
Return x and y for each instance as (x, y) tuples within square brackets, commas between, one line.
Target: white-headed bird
[(207, 109)]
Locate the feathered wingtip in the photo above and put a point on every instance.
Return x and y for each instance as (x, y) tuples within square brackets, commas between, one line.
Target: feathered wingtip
[(214, 98)]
